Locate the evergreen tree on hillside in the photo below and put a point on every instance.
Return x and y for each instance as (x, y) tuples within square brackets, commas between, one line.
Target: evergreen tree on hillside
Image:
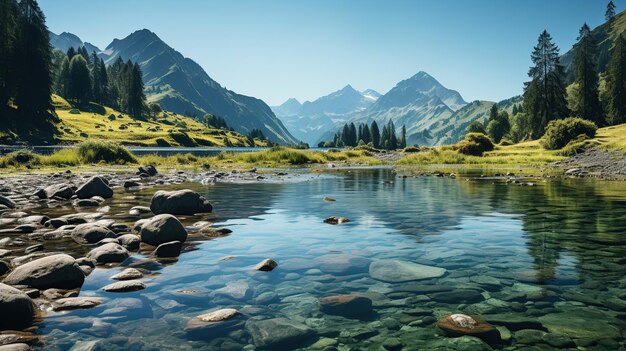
[(392, 144), (545, 95), (71, 52), (585, 63), (367, 136), (352, 136), (104, 82), (97, 81), (384, 137), (345, 135), (79, 88), (476, 127), (493, 112), (63, 80), (114, 72), (136, 96), (499, 127), (8, 33), (359, 135), (33, 81), (375, 135), (616, 82), (403, 137), (610, 12)]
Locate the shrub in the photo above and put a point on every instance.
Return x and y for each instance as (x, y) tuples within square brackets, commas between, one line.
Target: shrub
[(366, 147), (162, 142), (506, 142), (560, 132), (475, 144), (183, 139), (409, 149), (20, 158), (96, 152), (576, 147)]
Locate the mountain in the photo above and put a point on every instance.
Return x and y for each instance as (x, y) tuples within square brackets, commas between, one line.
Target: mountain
[(180, 85), (312, 119), (419, 103), (65, 40)]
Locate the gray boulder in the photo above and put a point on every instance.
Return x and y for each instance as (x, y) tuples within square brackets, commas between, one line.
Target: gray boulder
[(95, 186), (167, 250), (108, 253), (62, 190), (16, 308), (56, 271), (161, 229), (7, 202), (278, 333), (130, 241), (91, 233), (179, 202)]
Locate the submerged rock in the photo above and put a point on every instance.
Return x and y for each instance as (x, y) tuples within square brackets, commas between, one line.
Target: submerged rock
[(56, 271), (17, 310), (73, 303), (351, 306), (460, 324), (161, 229), (168, 250), (396, 271), (336, 220), (179, 202), (214, 323), (273, 334)]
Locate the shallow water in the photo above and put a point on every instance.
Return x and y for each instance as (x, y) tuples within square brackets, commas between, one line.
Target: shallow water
[(550, 256)]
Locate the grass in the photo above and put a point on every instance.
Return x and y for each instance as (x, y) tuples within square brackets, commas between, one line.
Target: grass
[(99, 123)]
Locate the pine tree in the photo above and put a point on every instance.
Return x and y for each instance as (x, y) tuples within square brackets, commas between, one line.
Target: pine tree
[(375, 135), (493, 112), (403, 137), (33, 83), (588, 101), (79, 80), (547, 74), (136, 97), (515, 110), (8, 33), (359, 135), (97, 80), (352, 136), (367, 136), (104, 82), (616, 83), (392, 144), (71, 52), (63, 81), (610, 12)]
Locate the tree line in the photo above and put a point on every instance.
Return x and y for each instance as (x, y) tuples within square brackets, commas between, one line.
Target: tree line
[(81, 77), (370, 135), (600, 98), (25, 55)]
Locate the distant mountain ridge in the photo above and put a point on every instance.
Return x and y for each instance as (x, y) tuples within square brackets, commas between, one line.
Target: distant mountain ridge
[(66, 40), (180, 85), (310, 120)]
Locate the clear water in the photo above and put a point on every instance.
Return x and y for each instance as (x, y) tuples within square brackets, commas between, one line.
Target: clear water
[(552, 254)]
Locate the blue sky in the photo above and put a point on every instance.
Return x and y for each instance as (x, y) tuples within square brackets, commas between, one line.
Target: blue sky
[(277, 49)]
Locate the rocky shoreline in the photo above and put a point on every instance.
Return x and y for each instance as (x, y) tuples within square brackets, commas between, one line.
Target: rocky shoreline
[(595, 163)]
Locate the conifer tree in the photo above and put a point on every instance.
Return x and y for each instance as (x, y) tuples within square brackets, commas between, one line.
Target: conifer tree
[(392, 144), (616, 83), (352, 136), (136, 96), (375, 135), (610, 12), (545, 95), (367, 136), (493, 112), (8, 33), (79, 80), (403, 137), (33, 81), (71, 52), (96, 81), (585, 63)]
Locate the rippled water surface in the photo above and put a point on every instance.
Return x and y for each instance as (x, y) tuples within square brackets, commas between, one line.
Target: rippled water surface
[(549, 257)]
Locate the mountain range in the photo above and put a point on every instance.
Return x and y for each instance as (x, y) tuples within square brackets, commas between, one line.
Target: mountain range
[(180, 85)]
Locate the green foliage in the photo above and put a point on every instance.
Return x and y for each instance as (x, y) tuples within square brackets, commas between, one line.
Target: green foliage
[(577, 146), (616, 83), (79, 80), (585, 95), (474, 144), (560, 132), (20, 158), (183, 139), (410, 149), (96, 152), (476, 127), (499, 126)]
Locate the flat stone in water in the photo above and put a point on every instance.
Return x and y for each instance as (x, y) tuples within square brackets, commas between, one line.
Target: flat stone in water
[(581, 323), (342, 263), (210, 324), (397, 271), (72, 303), (125, 286), (128, 274), (276, 333)]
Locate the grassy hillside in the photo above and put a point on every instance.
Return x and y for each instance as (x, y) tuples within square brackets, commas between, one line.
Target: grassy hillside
[(100, 123)]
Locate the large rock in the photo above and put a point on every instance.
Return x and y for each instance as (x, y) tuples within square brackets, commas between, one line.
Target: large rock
[(130, 241), (215, 323), (91, 233), (7, 202), (161, 229), (62, 190), (351, 306), (396, 271), (108, 253), (277, 333), (17, 310), (125, 286), (179, 202), (149, 170), (459, 325), (168, 250), (56, 271), (95, 186)]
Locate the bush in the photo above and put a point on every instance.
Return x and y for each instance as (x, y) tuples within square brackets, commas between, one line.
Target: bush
[(96, 152), (162, 142), (20, 158), (411, 149), (366, 147), (475, 144), (561, 132), (183, 139), (506, 142)]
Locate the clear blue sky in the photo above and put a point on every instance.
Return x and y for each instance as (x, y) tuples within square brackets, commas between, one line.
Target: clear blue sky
[(277, 49)]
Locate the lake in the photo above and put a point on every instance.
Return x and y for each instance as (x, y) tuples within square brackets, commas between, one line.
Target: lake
[(544, 264)]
